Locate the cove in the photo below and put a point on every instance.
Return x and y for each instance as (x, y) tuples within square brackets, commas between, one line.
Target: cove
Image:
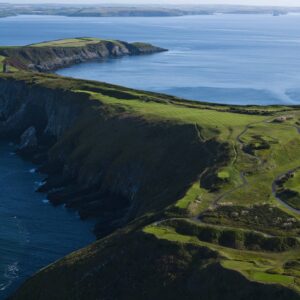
[(33, 232)]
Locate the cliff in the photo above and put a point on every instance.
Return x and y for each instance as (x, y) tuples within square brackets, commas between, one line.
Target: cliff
[(169, 184), (103, 160), (49, 56)]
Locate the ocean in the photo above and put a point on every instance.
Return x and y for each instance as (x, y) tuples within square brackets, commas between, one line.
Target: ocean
[(232, 59)]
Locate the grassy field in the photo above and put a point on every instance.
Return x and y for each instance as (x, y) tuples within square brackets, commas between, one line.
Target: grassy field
[(76, 42)]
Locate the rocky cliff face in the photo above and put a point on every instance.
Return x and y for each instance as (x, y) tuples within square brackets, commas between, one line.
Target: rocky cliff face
[(22, 106), (49, 58), (101, 160)]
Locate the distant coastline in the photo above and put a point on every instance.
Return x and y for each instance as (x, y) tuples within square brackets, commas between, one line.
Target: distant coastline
[(8, 10)]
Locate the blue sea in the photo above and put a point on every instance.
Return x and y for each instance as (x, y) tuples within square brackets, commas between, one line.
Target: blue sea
[(33, 233), (236, 59)]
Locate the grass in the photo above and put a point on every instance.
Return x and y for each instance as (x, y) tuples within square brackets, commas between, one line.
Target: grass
[(232, 237), (191, 195), (1, 62), (260, 272), (10, 68), (223, 174), (195, 200), (76, 42), (263, 166), (214, 123), (256, 266), (272, 278)]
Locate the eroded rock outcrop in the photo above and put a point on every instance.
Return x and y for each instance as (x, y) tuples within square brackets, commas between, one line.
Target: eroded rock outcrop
[(28, 141)]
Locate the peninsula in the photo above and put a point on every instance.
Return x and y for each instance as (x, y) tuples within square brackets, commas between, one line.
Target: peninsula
[(190, 198), (50, 56)]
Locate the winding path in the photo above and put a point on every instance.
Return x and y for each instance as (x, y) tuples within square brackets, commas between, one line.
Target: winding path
[(242, 175), (245, 182)]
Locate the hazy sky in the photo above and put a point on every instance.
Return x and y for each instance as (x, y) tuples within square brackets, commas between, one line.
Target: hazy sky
[(245, 2)]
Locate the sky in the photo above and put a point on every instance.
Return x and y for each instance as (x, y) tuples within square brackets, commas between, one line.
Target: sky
[(164, 2)]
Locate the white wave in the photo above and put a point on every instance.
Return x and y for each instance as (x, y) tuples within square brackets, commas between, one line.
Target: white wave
[(12, 270), (39, 183), (11, 273)]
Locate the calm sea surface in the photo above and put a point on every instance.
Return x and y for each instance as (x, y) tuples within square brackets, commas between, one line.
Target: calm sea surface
[(241, 59), (237, 59)]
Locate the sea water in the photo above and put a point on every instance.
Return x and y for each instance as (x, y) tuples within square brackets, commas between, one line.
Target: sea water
[(33, 233), (236, 59)]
